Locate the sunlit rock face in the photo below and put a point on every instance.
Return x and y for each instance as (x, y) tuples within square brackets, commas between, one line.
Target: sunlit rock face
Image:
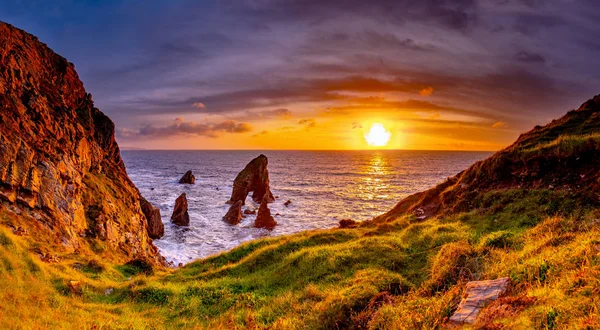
[(60, 167), (253, 178)]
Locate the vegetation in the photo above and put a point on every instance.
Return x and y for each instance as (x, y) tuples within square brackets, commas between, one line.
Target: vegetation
[(401, 274)]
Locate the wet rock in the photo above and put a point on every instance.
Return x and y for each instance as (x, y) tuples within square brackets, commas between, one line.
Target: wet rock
[(249, 211), (287, 203), (180, 214), (234, 215), (253, 178), (264, 218), (478, 293), (188, 178), (156, 229), (348, 223)]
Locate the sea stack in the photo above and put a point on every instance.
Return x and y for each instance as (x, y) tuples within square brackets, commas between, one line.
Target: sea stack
[(234, 215), (180, 215), (264, 218), (253, 178), (188, 178), (156, 229)]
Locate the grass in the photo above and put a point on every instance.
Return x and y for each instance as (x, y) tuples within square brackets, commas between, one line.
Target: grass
[(402, 274)]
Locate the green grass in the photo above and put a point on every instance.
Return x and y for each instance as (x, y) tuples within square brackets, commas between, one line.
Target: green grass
[(403, 274)]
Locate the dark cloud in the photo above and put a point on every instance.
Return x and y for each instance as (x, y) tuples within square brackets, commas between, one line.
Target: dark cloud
[(527, 57), (182, 127), (308, 123)]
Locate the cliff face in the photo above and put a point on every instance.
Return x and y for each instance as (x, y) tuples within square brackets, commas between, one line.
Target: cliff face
[(562, 155), (60, 167)]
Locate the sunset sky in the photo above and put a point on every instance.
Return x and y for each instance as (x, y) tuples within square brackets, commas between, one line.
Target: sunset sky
[(313, 74)]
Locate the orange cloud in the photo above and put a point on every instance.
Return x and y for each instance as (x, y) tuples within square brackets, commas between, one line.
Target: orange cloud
[(426, 91), (499, 124)]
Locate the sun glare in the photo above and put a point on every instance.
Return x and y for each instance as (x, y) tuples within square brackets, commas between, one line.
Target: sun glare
[(378, 136)]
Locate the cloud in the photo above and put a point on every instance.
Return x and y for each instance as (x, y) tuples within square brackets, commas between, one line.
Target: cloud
[(499, 124), (356, 125), (263, 132), (427, 91), (280, 113), (199, 105), (308, 123), (182, 127), (526, 57)]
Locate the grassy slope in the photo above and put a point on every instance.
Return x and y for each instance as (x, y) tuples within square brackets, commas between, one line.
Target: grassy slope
[(402, 273)]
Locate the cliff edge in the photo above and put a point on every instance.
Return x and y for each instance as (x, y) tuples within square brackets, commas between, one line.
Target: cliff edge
[(60, 167)]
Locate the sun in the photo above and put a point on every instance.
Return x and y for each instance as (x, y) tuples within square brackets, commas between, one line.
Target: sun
[(378, 136)]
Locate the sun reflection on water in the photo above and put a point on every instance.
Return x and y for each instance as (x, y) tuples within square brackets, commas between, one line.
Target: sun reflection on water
[(372, 184)]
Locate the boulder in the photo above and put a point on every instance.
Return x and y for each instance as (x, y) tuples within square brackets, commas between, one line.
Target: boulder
[(289, 201), (253, 178), (249, 211), (264, 218), (234, 215), (156, 229), (180, 215), (348, 223), (188, 178)]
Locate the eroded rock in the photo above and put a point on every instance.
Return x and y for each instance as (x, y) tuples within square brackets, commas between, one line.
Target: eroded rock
[(264, 218), (180, 214), (156, 229), (188, 178), (253, 178), (234, 215)]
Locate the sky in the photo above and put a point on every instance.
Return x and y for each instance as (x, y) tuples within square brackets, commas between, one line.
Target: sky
[(314, 74)]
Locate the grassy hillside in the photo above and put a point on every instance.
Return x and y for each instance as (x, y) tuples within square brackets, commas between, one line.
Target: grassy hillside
[(401, 274)]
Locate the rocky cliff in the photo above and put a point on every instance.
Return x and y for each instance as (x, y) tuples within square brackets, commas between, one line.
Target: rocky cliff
[(60, 167)]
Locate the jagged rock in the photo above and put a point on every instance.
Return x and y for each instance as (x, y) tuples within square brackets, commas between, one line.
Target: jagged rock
[(249, 211), (60, 166), (253, 178), (234, 215), (156, 229), (264, 218), (478, 293), (348, 223), (180, 214), (287, 203), (188, 178)]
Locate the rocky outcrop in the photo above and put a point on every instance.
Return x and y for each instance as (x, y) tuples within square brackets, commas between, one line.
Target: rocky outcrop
[(156, 229), (264, 218), (234, 215), (188, 178), (60, 167), (253, 178), (348, 223), (477, 295), (180, 214)]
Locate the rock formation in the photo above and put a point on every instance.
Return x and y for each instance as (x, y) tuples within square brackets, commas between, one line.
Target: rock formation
[(348, 223), (234, 215), (60, 167), (156, 229), (264, 218), (249, 211), (180, 214), (253, 178), (287, 203), (478, 294), (188, 178)]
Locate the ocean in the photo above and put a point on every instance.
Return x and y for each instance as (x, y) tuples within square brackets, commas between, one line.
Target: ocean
[(323, 187)]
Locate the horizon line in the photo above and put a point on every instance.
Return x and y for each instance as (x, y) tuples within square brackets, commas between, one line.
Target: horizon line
[(437, 150)]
